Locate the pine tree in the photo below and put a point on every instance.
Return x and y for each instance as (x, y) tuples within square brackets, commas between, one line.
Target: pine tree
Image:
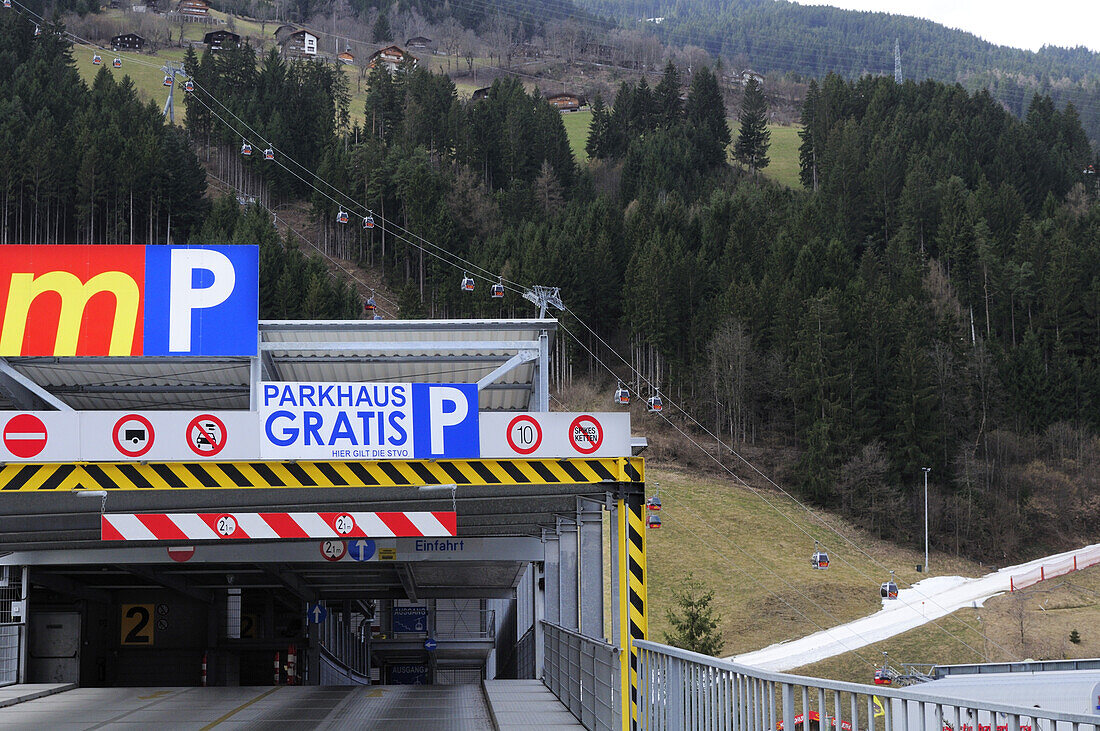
[(597, 144), (810, 134), (694, 626), (381, 32), (666, 97), (1075, 637), (754, 138), (706, 118)]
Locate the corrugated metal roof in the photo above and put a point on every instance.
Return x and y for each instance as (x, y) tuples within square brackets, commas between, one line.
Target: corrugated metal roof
[(421, 351)]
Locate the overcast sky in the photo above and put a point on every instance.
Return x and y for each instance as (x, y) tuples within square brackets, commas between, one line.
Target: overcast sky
[(1020, 23)]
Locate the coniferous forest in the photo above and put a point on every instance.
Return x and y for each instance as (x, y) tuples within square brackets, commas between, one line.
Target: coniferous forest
[(929, 298)]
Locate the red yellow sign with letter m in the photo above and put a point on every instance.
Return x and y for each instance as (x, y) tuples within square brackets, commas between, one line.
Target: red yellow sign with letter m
[(128, 300)]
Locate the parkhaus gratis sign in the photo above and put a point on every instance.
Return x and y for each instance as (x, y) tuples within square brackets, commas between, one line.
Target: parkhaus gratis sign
[(124, 300), (369, 421)]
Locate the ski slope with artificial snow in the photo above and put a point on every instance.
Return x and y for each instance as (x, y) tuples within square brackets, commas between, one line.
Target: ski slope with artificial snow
[(924, 602)]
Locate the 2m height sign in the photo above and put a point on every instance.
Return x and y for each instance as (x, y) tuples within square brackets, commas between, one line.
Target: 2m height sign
[(128, 300)]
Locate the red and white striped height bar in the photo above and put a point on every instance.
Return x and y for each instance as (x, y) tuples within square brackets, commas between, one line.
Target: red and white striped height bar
[(222, 526)]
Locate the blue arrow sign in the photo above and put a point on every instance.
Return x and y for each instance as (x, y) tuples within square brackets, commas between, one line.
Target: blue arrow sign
[(316, 614), (361, 549), (430, 644)]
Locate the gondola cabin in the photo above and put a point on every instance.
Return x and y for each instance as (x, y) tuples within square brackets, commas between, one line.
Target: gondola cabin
[(820, 560), (369, 306), (269, 154), (368, 221), (498, 291), (883, 677), (622, 396), (246, 149), (653, 503), (888, 590), (342, 216), (654, 404), (7, 3), (189, 85), (467, 283), (653, 522), (96, 60), (167, 80), (117, 63)]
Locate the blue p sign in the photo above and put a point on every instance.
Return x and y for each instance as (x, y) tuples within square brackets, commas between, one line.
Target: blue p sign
[(445, 421)]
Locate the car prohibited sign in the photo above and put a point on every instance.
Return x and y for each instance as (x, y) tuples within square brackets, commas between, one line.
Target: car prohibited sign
[(524, 434), (206, 435), (585, 434)]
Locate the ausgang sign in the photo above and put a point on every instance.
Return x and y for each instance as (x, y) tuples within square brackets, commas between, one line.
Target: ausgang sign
[(128, 300)]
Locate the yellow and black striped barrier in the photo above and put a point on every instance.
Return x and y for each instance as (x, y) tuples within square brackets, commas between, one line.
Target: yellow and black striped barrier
[(234, 475), (633, 602)]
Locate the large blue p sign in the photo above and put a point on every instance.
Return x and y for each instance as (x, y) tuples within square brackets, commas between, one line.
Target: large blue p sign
[(201, 300), (445, 421)]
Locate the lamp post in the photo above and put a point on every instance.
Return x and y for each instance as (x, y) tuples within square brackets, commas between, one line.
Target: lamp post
[(926, 471)]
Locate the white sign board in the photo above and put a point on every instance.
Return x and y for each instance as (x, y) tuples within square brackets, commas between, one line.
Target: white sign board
[(368, 421), (317, 421), (555, 434), (168, 436), (40, 436)]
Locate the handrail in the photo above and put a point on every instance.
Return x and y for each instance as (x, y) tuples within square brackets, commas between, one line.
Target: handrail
[(583, 673), (683, 689)]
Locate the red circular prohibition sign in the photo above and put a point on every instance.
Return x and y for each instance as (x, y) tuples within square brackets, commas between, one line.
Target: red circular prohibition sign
[(25, 435), (206, 435), (149, 436), (524, 418), (586, 438)]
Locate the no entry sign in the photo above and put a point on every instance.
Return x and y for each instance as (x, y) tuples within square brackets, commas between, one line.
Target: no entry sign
[(25, 435)]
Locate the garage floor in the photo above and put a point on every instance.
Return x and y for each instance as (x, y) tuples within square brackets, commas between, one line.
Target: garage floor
[(404, 707)]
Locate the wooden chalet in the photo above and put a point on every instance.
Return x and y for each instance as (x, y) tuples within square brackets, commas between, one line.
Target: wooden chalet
[(300, 44), (479, 94), (128, 42), (390, 58), (346, 56), (217, 40), (419, 42), (193, 8), (565, 102), (525, 50), (283, 32)]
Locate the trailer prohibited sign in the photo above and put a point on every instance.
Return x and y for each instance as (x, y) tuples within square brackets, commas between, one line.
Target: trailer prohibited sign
[(133, 435), (585, 434), (206, 435), (524, 434)]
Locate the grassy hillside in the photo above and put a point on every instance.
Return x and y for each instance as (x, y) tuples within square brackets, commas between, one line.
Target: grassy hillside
[(783, 155), (1047, 613), (576, 126)]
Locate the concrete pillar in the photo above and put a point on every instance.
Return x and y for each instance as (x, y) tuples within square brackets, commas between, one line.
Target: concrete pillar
[(590, 518), (567, 586), (552, 577)]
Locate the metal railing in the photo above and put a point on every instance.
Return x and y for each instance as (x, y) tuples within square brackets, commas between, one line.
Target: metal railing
[(584, 674), (678, 689)]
